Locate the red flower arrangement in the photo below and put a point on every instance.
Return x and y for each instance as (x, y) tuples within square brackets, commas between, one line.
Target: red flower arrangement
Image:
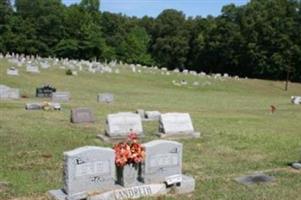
[(129, 152)]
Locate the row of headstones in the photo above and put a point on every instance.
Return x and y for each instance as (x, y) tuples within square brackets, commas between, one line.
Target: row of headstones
[(104, 67), (118, 125), (90, 173)]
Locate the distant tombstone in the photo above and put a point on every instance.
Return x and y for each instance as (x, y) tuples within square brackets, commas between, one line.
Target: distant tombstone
[(176, 125), (33, 106), (163, 159), (196, 83), (105, 97), (12, 71), (88, 169), (82, 115), (120, 124), (45, 91), (185, 71), (60, 96), (32, 69), (152, 115), (8, 93), (296, 99)]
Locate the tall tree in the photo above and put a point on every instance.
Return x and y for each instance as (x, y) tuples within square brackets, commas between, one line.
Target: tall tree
[(170, 39)]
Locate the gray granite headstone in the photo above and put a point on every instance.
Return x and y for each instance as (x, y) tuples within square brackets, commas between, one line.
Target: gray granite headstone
[(82, 115), (120, 124), (32, 69), (60, 96), (9, 93), (12, 71), (33, 106), (88, 169), (105, 97), (176, 124), (296, 99), (163, 162)]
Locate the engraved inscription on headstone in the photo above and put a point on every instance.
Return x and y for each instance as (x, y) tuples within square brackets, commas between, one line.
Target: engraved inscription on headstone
[(134, 192), (88, 169), (162, 159)]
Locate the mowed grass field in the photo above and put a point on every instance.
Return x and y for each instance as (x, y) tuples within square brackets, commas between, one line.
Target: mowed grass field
[(239, 135)]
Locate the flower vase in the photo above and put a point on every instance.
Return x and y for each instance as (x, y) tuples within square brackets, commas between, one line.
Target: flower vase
[(128, 174)]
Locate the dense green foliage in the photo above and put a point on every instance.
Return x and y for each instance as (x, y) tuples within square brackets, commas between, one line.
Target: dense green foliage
[(260, 39)]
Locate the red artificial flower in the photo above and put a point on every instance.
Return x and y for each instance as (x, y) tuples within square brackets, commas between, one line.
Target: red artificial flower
[(129, 152)]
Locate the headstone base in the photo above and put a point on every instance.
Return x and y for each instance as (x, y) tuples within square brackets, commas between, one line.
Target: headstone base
[(179, 135), (134, 192)]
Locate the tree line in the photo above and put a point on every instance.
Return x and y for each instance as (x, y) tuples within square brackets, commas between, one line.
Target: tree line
[(261, 39)]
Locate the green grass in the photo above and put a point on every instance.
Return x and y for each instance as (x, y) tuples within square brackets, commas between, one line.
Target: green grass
[(239, 135)]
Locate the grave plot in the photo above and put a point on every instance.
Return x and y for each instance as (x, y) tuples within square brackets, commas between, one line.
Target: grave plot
[(91, 173)]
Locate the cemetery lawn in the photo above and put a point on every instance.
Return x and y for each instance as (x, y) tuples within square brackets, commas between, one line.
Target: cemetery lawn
[(239, 135)]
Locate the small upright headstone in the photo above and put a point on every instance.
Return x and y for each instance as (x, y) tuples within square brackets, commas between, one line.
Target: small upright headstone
[(9, 93), (32, 69), (119, 125), (60, 96), (105, 97), (12, 71), (176, 125), (45, 91), (82, 115)]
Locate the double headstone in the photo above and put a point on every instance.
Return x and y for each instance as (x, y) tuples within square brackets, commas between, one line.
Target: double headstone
[(60, 96), (176, 125), (105, 97), (82, 115), (119, 125), (9, 93), (90, 173)]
